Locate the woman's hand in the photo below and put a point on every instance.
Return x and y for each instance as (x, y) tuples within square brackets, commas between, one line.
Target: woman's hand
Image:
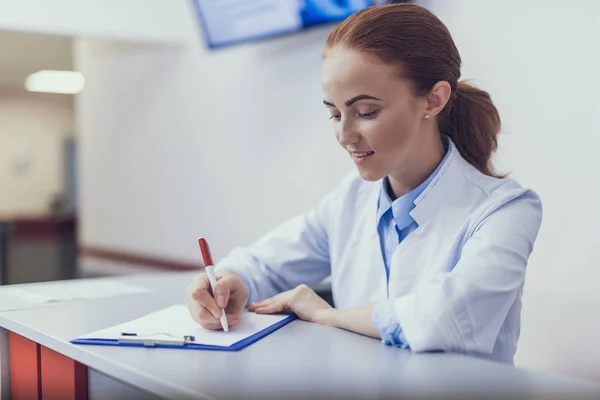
[(307, 305), (231, 294), (302, 300)]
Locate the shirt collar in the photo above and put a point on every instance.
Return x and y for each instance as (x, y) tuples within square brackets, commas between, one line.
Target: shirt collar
[(402, 206)]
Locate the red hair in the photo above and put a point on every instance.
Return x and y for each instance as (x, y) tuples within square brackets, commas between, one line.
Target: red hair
[(416, 40)]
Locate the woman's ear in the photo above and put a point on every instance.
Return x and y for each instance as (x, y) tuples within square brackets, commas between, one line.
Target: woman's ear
[(438, 98)]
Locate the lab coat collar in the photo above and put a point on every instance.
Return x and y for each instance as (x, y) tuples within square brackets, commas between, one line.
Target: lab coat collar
[(442, 190)]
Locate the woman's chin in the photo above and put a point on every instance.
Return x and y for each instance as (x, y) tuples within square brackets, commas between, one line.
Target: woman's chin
[(369, 174)]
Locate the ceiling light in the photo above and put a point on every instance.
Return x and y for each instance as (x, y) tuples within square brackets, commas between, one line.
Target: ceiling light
[(48, 81)]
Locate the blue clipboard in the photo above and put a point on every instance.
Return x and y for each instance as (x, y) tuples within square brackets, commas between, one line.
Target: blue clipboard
[(190, 346)]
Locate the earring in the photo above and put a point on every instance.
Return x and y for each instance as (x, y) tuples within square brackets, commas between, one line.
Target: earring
[(426, 116)]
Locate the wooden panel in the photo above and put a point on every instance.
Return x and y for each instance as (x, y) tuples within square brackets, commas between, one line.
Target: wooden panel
[(137, 259), (62, 377), (47, 228), (40, 226), (25, 377)]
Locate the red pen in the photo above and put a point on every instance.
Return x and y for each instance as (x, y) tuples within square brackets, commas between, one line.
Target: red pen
[(210, 272), (205, 251)]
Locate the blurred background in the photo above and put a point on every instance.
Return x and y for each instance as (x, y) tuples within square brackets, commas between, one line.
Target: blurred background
[(128, 128)]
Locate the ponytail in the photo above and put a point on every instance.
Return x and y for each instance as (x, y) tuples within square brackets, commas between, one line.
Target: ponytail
[(472, 122)]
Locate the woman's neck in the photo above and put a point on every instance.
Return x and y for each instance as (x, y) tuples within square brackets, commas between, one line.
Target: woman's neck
[(421, 166)]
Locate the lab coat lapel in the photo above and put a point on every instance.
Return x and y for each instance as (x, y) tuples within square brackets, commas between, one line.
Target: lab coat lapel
[(364, 271), (443, 192), (415, 257)]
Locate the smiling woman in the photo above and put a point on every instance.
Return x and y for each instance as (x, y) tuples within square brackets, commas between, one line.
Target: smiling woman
[(385, 119), (427, 246)]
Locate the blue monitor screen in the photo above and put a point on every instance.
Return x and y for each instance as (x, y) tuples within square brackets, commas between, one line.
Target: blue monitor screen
[(227, 22)]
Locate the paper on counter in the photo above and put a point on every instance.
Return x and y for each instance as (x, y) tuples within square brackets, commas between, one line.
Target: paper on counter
[(68, 290)]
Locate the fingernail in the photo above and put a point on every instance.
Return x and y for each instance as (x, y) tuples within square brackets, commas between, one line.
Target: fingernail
[(220, 301), (217, 313)]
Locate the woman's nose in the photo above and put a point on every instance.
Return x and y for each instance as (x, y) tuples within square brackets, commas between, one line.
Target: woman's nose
[(347, 135)]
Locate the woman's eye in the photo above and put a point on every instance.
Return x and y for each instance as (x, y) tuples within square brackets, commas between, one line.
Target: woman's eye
[(336, 117), (369, 115)]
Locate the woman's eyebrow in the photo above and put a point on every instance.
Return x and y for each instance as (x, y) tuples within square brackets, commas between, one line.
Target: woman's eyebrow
[(353, 100), (360, 97)]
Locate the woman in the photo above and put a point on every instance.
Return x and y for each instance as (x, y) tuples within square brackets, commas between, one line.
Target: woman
[(427, 248)]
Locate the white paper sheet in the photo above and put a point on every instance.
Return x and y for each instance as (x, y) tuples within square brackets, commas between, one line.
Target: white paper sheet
[(69, 290), (175, 321)]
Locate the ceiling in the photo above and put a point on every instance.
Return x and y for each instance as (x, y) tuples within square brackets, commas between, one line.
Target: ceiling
[(24, 53)]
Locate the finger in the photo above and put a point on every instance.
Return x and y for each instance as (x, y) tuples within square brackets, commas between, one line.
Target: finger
[(207, 301), (208, 321), (201, 282), (222, 291), (270, 308), (211, 326), (195, 285), (205, 319), (271, 300), (193, 310), (206, 315), (233, 319)]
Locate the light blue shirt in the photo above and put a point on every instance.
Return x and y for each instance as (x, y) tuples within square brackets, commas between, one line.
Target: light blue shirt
[(394, 224)]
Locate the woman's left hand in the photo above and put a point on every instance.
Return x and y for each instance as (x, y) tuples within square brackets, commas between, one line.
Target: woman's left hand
[(302, 300)]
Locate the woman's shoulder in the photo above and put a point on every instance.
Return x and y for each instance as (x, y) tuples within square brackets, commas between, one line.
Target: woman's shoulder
[(493, 187), (482, 195), (505, 192)]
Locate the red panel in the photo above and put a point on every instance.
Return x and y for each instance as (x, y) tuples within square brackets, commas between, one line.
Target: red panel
[(136, 259), (25, 377), (62, 377), (45, 228)]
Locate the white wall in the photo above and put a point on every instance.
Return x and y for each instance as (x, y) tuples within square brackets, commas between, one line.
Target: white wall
[(178, 142), (539, 59), (141, 20), (32, 129)]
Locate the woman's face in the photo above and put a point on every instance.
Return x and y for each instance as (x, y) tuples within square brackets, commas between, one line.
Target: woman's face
[(375, 114)]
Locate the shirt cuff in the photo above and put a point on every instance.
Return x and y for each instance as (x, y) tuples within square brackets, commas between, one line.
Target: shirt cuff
[(386, 323)]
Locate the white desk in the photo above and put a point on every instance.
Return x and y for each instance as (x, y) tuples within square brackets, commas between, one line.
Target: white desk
[(300, 360)]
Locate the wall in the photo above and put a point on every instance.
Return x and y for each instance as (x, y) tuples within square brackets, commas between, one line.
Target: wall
[(140, 20), (179, 142), (32, 129), (539, 60), (25, 53)]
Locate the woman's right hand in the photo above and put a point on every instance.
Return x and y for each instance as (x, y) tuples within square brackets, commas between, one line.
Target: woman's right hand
[(231, 294)]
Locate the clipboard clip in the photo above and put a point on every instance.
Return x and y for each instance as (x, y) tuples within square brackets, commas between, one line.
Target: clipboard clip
[(148, 340)]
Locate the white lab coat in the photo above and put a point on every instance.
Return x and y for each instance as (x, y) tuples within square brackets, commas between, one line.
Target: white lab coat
[(457, 280)]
